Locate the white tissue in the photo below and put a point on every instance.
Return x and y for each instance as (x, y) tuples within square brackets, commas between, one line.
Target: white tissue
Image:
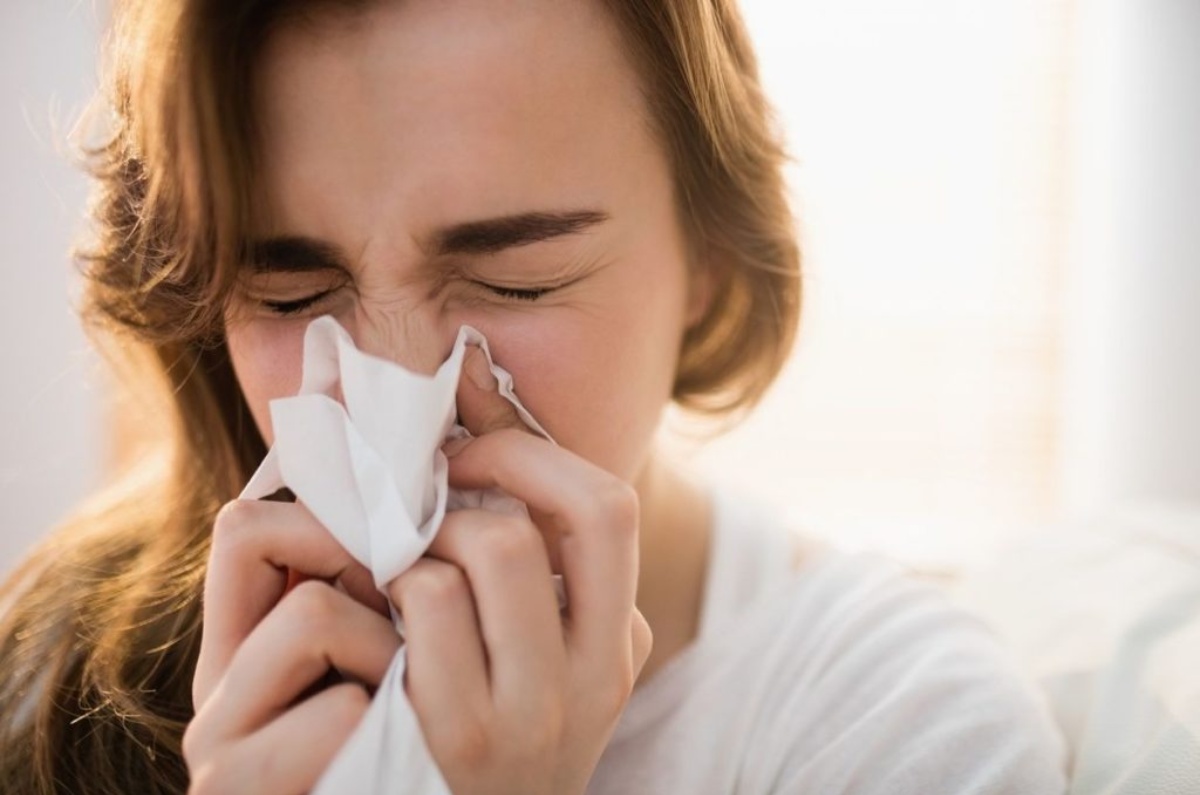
[(371, 470)]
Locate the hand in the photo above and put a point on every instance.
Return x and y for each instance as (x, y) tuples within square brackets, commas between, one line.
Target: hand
[(511, 696), (266, 643)]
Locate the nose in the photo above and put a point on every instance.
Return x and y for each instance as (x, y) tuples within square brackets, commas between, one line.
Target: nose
[(410, 336)]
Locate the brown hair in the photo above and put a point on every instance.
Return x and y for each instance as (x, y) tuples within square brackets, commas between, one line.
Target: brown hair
[(99, 637)]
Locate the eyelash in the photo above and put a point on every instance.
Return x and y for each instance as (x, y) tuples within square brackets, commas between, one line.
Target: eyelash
[(513, 293), (299, 305), (294, 307)]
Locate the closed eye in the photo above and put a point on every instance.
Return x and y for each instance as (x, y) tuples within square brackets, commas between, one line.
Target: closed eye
[(530, 294), (297, 305)]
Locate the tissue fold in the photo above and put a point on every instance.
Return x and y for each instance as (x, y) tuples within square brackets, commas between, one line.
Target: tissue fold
[(371, 470)]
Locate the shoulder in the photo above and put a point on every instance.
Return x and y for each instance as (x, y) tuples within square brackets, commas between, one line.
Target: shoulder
[(851, 675), (883, 681)]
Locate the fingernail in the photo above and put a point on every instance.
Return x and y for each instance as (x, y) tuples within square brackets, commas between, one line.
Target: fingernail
[(455, 446), (478, 370)]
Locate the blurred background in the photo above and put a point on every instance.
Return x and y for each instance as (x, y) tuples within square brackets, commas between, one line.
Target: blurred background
[(999, 202)]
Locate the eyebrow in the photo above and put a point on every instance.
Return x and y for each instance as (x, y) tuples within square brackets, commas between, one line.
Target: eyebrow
[(297, 253)]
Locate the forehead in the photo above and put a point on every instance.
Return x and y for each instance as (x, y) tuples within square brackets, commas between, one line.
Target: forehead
[(438, 108)]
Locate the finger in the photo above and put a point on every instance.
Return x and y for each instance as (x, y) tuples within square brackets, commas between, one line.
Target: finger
[(289, 754), (313, 629), (257, 547), (595, 517), (506, 566), (447, 665), (481, 407)]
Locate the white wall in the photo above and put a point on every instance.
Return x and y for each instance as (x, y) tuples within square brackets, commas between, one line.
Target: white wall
[(1131, 398), (49, 425)]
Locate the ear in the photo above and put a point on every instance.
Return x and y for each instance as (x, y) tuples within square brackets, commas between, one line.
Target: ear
[(701, 288)]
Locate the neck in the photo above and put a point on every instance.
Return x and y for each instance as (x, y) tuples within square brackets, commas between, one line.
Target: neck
[(673, 554)]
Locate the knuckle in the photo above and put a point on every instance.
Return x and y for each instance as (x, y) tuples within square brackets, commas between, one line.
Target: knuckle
[(431, 582), (618, 503), (313, 604), (233, 515), (232, 532)]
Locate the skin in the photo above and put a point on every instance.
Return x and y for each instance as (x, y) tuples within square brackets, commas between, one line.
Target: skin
[(382, 130)]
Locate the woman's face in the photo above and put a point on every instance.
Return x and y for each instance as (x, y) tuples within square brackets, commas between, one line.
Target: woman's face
[(423, 160)]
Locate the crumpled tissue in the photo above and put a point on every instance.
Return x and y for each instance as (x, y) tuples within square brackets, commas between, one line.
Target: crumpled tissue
[(371, 470)]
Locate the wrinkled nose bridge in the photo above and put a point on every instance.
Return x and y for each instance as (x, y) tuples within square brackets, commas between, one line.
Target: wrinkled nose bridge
[(411, 339)]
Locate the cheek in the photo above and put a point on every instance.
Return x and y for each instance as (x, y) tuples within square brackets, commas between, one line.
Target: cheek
[(598, 383), (267, 359)]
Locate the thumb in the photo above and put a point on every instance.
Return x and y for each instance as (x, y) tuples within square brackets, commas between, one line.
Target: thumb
[(481, 407)]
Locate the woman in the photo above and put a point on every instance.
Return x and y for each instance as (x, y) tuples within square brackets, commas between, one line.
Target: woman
[(596, 187)]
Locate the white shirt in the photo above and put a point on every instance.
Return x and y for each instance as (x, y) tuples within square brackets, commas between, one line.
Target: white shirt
[(843, 676)]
